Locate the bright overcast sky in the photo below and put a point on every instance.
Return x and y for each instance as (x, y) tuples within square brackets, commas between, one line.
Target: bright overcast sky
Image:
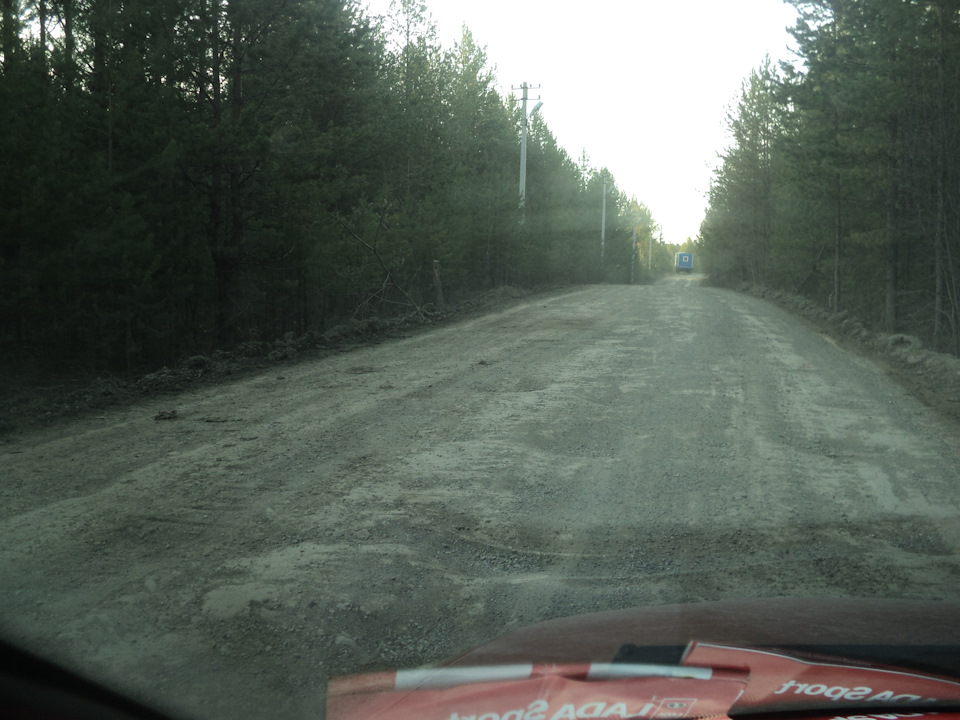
[(644, 86)]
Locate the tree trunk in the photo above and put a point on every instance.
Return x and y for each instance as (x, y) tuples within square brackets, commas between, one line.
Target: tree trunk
[(42, 19), (9, 39), (837, 243), (224, 265), (235, 235), (69, 45), (98, 77), (940, 232), (892, 229), (227, 232), (838, 221)]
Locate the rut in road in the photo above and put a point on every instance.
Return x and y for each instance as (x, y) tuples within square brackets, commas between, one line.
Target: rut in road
[(594, 449)]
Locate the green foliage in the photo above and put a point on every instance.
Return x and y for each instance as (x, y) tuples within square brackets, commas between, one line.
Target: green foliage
[(180, 175), (738, 230), (841, 176)]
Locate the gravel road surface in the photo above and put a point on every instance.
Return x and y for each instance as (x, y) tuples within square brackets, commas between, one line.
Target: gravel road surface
[(593, 449)]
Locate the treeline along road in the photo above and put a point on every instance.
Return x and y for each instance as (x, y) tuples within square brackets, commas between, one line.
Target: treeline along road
[(227, 550)]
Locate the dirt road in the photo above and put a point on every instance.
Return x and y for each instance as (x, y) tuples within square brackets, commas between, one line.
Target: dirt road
[(588, 450)]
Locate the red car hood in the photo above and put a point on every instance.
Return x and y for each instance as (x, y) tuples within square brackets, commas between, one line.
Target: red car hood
[(921, 635), (849, 658)]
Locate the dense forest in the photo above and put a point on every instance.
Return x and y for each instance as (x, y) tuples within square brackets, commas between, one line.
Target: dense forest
[(183, 175), (842, 179)]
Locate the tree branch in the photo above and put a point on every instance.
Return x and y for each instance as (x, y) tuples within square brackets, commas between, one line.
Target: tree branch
[(388, 275)]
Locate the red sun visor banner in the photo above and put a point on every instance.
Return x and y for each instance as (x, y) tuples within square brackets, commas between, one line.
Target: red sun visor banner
[(780, 682), (537, 692), (713, 681)]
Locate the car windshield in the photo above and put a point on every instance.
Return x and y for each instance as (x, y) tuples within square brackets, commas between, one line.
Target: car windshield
[(342, 337)]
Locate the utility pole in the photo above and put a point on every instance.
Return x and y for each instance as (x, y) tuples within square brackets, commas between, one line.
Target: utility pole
[(523, 137), (603, 219)]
